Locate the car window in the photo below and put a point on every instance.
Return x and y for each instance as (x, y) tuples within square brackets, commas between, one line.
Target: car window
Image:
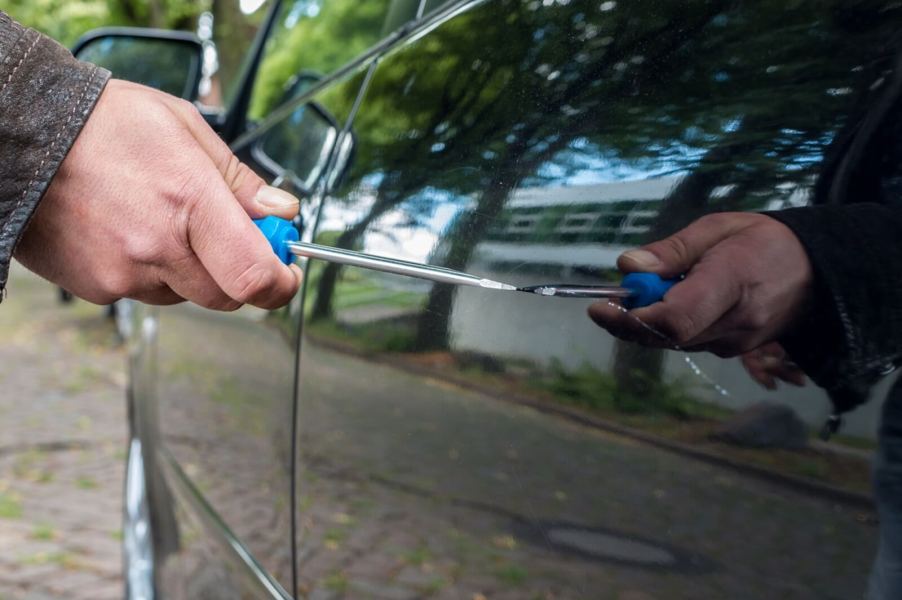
[(317, 37), (228, 31)]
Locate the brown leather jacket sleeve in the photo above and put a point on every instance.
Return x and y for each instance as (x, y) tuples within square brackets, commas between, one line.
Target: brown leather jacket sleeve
[(45, 98)]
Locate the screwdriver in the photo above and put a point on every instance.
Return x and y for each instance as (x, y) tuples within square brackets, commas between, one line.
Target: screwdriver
[(635, 290)]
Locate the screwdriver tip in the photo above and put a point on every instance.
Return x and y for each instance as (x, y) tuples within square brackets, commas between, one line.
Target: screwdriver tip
[(496, 285)]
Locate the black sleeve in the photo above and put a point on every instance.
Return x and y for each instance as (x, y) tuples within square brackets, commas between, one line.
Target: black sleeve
[(45, 98), (852, 333)]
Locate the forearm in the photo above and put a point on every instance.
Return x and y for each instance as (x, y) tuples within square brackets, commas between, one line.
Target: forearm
[(45, 98), (852, 332)]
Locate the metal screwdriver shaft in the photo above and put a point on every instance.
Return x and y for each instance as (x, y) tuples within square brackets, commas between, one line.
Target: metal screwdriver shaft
[(636, 289), (393, 265)]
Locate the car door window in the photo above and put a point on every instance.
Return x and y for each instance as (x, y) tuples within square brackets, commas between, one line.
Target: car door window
[(318, 36)]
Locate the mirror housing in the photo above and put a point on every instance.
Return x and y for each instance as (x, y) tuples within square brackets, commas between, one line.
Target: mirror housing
[(171, 61), (298, 149)]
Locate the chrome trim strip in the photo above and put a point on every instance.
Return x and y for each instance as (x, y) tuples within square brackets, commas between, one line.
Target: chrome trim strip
[(173, 472)]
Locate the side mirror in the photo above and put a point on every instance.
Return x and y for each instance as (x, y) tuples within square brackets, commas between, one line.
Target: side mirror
[(170, 61), (298, 148)]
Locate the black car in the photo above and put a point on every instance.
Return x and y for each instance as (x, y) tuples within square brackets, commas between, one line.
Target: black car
[(387, 437)]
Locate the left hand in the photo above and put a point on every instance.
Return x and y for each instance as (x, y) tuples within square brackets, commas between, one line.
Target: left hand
[(748, 279)]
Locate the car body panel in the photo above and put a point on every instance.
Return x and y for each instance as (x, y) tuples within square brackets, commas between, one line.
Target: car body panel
[(224, 392), (457, 441), (430, 441), (224, 402)]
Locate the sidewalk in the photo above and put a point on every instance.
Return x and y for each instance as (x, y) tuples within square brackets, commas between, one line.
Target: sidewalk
[(62, 447)]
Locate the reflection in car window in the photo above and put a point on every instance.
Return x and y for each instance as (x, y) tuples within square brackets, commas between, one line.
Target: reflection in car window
[(318, 36), (234, 26)]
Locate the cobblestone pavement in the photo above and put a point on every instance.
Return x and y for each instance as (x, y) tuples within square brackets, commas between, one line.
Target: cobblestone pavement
[(62, 447)]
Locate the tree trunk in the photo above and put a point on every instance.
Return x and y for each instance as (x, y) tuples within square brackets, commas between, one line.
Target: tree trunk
[(433, 323)]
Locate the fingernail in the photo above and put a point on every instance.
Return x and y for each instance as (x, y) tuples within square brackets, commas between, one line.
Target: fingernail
[(642, 259), (274, 198)]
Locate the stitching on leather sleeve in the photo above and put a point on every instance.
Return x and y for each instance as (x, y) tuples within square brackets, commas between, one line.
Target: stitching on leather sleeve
[(37, 38), (56, 139)]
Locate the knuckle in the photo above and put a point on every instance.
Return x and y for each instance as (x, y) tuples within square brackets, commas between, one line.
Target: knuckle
[(185, 108), (716, 220), (255, 281), (222, 303), (679, 327), (235, 172), (751, 316), (115, 284), (677, 247), (140, 248), (756, 319)]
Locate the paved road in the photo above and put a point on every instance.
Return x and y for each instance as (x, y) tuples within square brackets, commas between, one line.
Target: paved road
[(62, 445)]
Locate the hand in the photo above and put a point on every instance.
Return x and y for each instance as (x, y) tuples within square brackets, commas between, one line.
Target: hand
[(150, 204), (748, 279), (769, 363)]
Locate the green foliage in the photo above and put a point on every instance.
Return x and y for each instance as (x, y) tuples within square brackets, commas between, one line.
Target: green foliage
[(590, 388), (66, 21), (389, 335), (316, 41), (43, 532), (10, 506), (511, 574)]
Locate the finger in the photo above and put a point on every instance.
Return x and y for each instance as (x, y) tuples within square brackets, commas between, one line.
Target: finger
[(692, 306), (257, 198), (772, 349), (625, 326), (752, 363), (764, 378), (189, 279), (676, 254), (790, 374), (163, 296), (236, 254)]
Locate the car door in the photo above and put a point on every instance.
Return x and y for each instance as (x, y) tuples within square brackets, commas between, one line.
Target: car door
[(223, 392), (459, 442)]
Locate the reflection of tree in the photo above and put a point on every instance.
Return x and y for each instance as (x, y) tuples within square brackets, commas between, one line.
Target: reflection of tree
[(736, 97), (470, 101), (65, 20), (315, 37)]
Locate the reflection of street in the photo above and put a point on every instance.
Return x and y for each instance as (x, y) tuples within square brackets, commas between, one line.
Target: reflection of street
[(411, 487), (224, 406)]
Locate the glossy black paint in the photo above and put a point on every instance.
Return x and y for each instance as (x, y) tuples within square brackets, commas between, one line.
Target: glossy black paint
[(530, 142), (452, 443)]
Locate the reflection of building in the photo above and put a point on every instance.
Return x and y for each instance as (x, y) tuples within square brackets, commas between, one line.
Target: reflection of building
[(578, 228), (574, 235), (616, 213), (585, 228)]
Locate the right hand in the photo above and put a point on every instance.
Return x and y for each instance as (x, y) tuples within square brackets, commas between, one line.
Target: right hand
[(150, 204)]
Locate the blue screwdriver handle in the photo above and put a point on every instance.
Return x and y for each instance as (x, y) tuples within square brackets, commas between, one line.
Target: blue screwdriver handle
[(647, 288), (278, 233)]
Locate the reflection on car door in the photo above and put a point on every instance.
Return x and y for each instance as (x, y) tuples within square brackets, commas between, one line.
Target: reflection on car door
[(462, 442)]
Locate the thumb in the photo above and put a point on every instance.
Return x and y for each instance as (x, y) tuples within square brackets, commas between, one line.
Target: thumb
[(676, 254), (257, 198)]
